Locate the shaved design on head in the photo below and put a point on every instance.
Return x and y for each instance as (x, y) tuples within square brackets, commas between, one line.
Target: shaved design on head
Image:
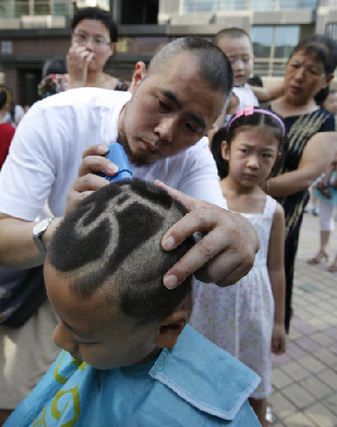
[(104, 221), (112, 240)]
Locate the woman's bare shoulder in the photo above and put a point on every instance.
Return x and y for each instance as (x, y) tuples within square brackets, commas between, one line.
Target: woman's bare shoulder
[(109, 82)]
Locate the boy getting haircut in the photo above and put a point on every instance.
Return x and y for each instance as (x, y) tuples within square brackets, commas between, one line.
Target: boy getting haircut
[(135, 362), (115, 234)]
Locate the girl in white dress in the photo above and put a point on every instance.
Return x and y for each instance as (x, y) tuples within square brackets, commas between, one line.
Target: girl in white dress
[(247, 319)]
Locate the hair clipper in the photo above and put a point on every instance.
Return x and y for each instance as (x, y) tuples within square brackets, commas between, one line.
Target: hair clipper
[(117, 155)]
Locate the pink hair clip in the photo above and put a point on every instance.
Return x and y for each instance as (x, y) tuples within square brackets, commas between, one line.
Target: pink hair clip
[(249, 111)]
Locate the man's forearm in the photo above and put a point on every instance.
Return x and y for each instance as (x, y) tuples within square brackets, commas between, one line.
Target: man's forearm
[(17, 248)]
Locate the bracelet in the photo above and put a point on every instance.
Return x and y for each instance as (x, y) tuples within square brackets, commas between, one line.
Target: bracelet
[(267, 187)]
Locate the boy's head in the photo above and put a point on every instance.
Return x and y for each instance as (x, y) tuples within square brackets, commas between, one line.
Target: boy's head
[(104, 274), (236, 44)]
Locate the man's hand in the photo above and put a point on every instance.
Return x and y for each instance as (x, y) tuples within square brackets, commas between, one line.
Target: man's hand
[(224, 254), (87, 180)]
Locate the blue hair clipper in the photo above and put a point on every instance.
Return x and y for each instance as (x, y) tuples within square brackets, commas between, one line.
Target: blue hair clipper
[(117, 155)]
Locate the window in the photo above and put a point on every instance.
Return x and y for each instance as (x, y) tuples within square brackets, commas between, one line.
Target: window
[(286, 38), (6, 47), (262, 37), (272, 46), (212, 6), (140, 12), (15, 8), (331, 30)]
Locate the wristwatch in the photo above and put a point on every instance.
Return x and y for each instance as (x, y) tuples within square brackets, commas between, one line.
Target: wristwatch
[(38, 231)]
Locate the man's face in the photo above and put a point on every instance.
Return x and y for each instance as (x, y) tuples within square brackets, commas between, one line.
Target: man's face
[(169, 111), (94, 331), (240, 54)]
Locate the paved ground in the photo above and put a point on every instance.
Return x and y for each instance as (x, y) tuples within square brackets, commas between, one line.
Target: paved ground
[(305, 377)]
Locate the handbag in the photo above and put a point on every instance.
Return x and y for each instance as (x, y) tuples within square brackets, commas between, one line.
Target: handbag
[(21, 294)]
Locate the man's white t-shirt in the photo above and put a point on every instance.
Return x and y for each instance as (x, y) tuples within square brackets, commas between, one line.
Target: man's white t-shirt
[(47, 148)]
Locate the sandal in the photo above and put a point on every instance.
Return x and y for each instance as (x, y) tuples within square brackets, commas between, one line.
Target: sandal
[(333, 267), (318, 258)]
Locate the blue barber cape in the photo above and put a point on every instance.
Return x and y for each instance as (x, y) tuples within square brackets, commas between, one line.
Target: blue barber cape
[(195, 383)]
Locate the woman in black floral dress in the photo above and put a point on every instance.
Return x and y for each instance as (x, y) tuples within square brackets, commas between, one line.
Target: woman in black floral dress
[(311, 137)]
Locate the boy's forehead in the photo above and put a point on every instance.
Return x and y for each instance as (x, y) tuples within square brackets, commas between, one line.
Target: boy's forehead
[(88, 316)]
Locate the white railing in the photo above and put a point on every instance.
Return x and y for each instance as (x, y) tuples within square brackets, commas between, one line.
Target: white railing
[(212, 6), (269, 67)]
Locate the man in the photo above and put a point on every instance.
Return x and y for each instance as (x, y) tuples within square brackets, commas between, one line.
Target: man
[(161, 128)]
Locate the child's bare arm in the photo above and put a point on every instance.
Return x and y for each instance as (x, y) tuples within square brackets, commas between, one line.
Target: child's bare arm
[(277, 278), (229, 110), (269, 93)]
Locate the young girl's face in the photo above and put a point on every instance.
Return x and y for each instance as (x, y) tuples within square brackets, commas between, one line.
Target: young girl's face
[(251, 155)]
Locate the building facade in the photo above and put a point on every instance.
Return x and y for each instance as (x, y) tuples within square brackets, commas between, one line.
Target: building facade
[(33, 31)]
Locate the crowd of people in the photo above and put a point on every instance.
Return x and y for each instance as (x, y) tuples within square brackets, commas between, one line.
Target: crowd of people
[(325, 193), (167, 292)]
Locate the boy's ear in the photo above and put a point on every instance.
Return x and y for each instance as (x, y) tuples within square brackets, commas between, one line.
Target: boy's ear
[(170, 329), (225, 150), (138, 75)]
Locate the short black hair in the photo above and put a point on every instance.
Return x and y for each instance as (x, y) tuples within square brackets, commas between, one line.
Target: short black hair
[(55, 65), (231, 32), (215, 67), (96, 14), (255, 81), (322, 48), (322, 95), (112, 241)]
